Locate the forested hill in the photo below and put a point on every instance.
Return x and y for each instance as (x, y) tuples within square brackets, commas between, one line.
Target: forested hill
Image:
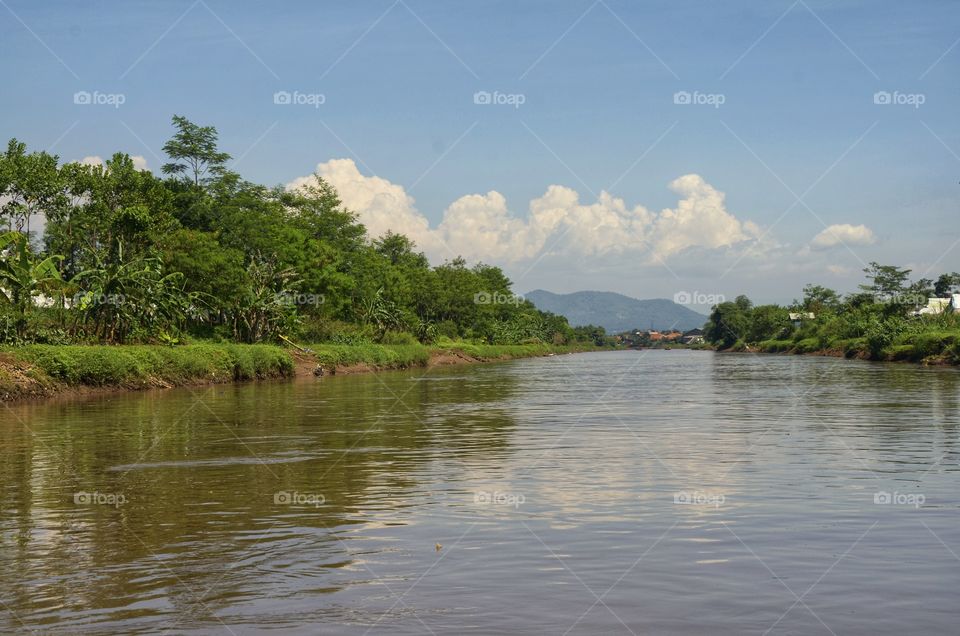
[(615, 312)]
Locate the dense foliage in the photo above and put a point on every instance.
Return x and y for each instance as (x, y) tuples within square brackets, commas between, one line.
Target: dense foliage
[(129, 257), (881, 321)]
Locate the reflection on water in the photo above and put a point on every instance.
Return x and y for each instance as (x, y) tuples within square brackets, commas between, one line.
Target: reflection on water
[(646, 492)]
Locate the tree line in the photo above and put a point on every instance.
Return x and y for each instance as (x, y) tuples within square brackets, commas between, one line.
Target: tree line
[(881, 319), (128, 256)]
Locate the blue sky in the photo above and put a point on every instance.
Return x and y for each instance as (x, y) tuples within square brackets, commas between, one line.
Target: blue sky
[(597, 80)]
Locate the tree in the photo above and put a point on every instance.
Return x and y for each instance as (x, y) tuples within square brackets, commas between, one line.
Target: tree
[(817, 298), (194, 151), (397, 249), (111, 202), (216, 273), (728, 323), (946, 284), (886, 281), (767, 321), (318, 211), (31, 182)]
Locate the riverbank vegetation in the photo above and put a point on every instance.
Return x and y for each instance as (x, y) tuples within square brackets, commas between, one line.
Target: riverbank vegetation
[(881, 321), (203, 255), (38, 370)]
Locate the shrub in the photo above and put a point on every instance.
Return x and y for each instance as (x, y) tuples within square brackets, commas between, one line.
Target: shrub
[(398, 338)]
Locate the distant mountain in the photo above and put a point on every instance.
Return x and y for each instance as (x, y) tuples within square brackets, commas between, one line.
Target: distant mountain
[(615, 312)]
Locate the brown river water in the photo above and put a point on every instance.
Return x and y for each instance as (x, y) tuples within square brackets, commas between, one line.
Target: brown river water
[(653, 492)]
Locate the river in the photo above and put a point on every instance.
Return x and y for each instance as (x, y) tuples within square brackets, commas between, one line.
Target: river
[(651, 492)]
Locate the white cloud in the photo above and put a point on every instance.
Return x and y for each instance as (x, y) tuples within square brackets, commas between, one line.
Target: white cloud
[(139, 161), (843, 234), (839, 270), (699, 220), (481, 227)]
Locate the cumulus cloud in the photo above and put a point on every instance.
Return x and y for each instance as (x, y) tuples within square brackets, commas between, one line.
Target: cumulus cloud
[(839, 270), (699, 220), (843, 234), (139, 161), (481, 226)]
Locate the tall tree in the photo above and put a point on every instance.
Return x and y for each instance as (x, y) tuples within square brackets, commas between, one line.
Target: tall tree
[(886, 281), (31, 182), (194, 152), (946, 284)]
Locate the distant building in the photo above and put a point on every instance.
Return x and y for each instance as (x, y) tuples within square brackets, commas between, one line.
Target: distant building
[(937, 306), (799, 317), (694, 336)]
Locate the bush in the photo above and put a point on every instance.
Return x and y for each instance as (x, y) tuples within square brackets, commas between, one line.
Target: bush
[(398, 338), (807, 345)]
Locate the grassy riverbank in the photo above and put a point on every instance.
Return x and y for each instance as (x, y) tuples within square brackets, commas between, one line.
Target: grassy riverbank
[(46, 370), (929, 347), (888, 319)]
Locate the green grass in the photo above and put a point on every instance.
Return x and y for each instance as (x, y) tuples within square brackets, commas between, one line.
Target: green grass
[(495, 352), (935, 346), (376, 355), (147, 365), (776, 346), (41, 369)]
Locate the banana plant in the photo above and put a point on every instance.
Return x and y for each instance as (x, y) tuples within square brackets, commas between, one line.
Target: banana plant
[(380, 312), (23, 275), (120, 297)]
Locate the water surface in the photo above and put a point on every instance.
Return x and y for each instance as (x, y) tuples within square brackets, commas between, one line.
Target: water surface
[(672, 492)]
